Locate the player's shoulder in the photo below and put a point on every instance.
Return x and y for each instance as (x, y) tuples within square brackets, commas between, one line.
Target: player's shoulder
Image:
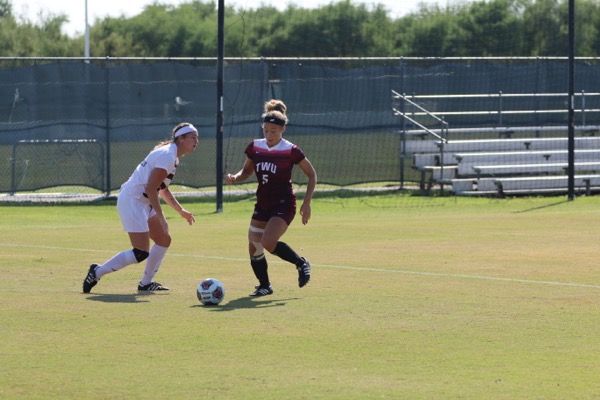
[(165, 149), (283, 145), (287, 144), (170, 150), (259, 143), (165, 153)]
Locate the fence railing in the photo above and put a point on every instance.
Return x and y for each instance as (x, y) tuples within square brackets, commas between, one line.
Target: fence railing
[(442, 136), (498, 109)]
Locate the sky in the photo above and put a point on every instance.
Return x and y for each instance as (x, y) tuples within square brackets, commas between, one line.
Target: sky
[(75, 9)]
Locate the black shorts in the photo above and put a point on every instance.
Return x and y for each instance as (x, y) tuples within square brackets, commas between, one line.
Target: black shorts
[(285, 211)]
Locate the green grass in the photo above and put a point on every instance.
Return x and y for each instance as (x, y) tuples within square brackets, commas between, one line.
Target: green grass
[(411, 298)]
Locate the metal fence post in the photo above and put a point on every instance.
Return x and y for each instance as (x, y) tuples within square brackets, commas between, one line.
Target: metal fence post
[(107, 127)]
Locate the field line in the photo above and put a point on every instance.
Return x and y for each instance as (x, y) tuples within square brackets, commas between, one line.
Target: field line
[(346, 267)]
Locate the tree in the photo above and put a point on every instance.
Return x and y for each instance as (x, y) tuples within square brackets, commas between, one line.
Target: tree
[(587, 28), (545, 26), (490, 28), (25, 38), (429, 32), (339, 29)]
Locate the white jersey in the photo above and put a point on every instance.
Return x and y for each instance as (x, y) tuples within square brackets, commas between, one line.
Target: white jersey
[(164, 157)]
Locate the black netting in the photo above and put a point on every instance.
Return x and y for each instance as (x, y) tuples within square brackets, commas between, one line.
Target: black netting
[(74, 123)]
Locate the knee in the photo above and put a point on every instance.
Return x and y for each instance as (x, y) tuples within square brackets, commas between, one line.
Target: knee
[(255, 249), (269, 244), (140, 255), (163, 240)]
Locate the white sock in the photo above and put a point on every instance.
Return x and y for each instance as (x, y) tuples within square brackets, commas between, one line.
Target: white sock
[(118, 261), (157, 253)]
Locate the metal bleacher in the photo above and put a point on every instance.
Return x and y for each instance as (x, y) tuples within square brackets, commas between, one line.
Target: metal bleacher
[(499, 161)]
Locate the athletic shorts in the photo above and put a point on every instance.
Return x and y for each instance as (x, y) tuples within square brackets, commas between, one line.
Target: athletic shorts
[(134, 213), (286, 211)]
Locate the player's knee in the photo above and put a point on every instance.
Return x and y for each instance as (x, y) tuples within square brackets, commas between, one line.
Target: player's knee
[(140, 255), (256, 249), (162, 240), (269, 245), (166, 241)]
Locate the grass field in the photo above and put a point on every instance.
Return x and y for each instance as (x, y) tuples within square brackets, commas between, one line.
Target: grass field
[(411, 298)]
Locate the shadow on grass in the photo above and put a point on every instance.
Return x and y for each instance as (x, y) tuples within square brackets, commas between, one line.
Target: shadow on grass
[(119, 298), (247, 302), (558, 203)]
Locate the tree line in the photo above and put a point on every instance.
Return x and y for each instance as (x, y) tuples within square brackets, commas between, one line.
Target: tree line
[(491, 28)]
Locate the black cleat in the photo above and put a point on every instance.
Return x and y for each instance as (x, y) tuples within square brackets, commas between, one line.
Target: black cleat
[(303, 273), (90, 280), (151, 287), (262, 291)]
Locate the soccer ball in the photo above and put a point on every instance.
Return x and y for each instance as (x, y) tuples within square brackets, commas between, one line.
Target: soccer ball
[(210, 292)]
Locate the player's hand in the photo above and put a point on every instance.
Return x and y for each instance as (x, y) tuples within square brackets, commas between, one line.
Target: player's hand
[(230, 179), (189, 217), (305, 212)]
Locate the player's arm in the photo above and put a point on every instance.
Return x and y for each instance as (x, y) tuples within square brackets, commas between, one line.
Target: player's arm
[(157, 176), (308, 169), (170, 199), (243, 174)]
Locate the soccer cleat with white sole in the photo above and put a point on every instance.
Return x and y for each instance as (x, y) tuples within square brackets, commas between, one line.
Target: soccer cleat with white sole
[(262, 291), (90, 279), (303, 273), (152, 287)]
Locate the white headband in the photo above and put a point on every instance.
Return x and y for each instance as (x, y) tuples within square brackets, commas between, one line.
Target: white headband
[(185, 129)]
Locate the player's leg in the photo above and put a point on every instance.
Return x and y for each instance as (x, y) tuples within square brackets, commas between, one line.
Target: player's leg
[(139, 252), (119, 261), (134, 217), (162, 240), (258, 261), (274, 230)]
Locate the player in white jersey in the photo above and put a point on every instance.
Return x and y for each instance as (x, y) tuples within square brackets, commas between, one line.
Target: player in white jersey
[(141, 213)]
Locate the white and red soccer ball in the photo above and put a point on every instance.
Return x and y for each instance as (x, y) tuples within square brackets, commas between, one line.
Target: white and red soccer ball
[(210, 292)]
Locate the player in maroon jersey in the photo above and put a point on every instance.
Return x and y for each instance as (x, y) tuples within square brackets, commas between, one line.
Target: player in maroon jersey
[(271, 159)]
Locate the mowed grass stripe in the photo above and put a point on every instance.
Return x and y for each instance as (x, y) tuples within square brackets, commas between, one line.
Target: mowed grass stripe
[(343, 267)]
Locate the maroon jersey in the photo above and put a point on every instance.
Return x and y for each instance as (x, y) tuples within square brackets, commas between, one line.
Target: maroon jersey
[(273, 169)]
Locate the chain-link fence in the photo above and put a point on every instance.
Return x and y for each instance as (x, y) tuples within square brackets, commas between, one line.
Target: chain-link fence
[(83, 125)]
